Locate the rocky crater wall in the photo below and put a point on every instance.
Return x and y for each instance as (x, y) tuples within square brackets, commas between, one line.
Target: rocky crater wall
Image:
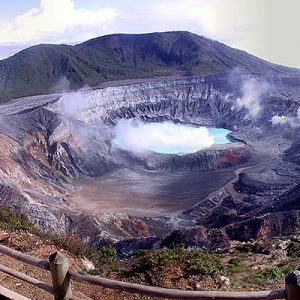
[(55, 139)]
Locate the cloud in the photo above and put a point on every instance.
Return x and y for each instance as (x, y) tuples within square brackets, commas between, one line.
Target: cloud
[(165, 137), (249, 24), (60, 21), (292, 121), (252, 93), (56, 20)]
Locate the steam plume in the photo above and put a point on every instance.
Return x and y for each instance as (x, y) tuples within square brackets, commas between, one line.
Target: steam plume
[(293, 121), (165, 137), (72, 103), (252, 93)]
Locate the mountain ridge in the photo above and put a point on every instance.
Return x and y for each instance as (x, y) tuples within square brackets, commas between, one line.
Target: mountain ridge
[(39, 69)]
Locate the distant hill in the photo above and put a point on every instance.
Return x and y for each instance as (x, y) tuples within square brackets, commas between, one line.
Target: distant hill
[(39, 69)]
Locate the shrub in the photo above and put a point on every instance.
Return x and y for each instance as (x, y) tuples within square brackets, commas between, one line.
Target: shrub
[(274, 273), (286, 267), (107, 255), (270, 273), (147, 262), (100, 257), (235, 262), (203, 263), (193, 262), (104, 255), (293, 249), (71, 244), (140, 253), (12, 221)]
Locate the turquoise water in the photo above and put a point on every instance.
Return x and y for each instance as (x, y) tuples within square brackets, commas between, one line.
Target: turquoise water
[(220, 135), (167, 137)]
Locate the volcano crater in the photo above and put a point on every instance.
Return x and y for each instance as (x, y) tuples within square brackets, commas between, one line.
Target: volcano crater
[(68, 168)]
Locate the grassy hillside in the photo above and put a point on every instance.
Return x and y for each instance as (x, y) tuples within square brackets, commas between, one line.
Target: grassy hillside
[(39, 69)]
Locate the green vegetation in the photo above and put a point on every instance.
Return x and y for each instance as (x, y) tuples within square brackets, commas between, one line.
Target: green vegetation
[(147, 261), (105, 256), (152, 266), (194, 262), (203, 263), (14, 222), (293, 249), (235, 264), (71, 244), (286, 267), (274, 273), (40, 69), (270, 273)]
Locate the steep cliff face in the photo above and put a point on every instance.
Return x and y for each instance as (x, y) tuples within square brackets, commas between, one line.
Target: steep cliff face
[(192, 100), (60, 167)]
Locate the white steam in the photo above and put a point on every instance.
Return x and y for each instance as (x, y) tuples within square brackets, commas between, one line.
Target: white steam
[(72, 103), (279, 120), (293, 121), (62, 85), (165, 137), (252, 93)]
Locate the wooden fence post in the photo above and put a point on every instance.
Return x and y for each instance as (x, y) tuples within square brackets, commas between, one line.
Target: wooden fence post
[(292, 285), (59, 267)]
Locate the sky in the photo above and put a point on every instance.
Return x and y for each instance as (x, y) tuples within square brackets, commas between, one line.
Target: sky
[(266, 28)]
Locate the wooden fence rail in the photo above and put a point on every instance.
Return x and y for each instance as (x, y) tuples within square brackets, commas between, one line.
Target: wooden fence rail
[(58, 265)]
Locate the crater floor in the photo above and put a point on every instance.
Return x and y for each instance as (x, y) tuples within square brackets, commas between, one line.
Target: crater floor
[(146, 193)]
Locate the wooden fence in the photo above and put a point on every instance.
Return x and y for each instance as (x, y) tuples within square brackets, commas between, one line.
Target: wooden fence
[(62, 276)]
